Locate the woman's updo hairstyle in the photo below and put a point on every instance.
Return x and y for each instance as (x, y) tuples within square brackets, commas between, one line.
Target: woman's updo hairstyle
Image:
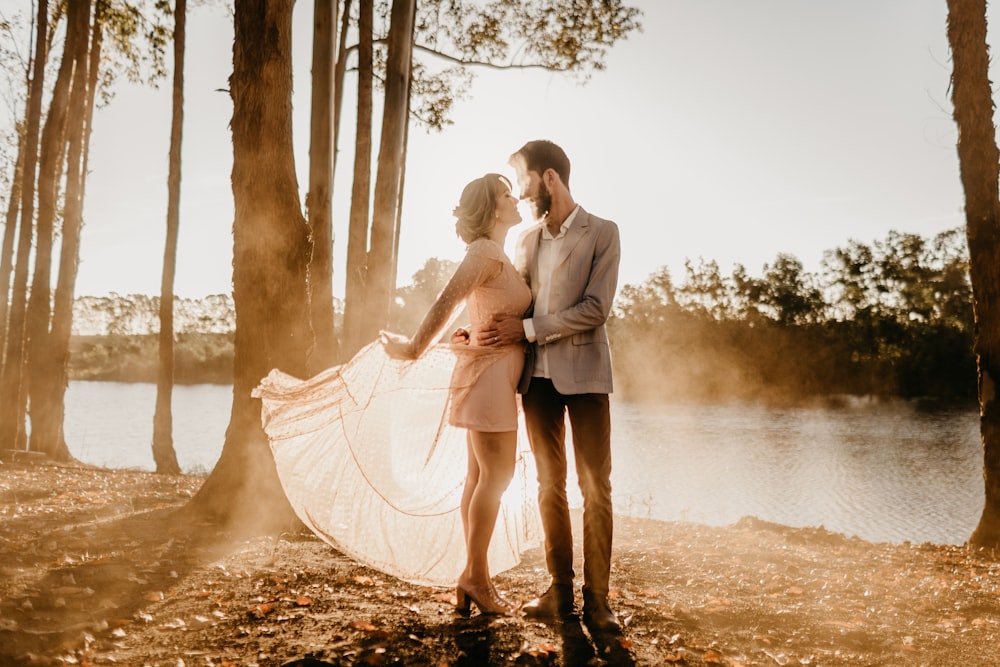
[(476, 210)]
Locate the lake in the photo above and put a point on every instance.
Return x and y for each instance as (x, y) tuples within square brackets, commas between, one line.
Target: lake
[(884, 471)]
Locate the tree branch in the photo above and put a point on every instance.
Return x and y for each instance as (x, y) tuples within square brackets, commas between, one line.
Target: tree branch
[(468, 63)]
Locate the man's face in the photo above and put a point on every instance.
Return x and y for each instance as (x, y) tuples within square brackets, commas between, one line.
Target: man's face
[(533, 189)]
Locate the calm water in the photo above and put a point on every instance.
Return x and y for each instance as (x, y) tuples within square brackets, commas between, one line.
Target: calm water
[(881, 471)]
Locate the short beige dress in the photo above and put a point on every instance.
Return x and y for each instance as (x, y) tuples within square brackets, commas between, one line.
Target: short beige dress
[(484, 382)]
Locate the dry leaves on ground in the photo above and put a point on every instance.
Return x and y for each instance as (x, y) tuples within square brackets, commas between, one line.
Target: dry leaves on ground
[(94, 572)]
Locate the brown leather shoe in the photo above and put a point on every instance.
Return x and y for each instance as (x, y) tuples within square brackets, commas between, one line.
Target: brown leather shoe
[(556, 602), (597, 614)]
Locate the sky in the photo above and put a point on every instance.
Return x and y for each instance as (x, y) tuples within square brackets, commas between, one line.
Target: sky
[(727, 130)]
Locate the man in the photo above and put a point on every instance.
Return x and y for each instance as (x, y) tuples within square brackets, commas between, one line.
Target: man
[(570, 261)]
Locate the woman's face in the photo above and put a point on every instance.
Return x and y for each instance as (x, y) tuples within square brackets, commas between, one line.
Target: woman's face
[(507, 212)]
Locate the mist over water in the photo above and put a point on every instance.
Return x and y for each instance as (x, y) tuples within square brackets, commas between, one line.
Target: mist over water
[(883, 471)]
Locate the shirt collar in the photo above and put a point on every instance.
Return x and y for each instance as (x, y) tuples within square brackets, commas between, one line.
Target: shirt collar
[(564, 227)]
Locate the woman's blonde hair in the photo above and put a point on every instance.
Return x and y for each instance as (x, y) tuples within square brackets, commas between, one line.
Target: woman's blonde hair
[(476, 210)]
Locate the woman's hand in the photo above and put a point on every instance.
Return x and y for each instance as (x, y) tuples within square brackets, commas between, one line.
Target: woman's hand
[(460, 337), (396, 346)]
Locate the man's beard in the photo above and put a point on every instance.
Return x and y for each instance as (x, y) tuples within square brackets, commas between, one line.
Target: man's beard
[(542, 202)]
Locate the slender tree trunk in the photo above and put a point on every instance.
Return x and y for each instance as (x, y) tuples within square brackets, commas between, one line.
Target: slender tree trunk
[(978, 161), (399, 195), (69, 253), (339, 72), (163, 444), (12, 428), (10, 236), (357, 235), (271, 250), (319, 200), (388, 179), (45, 435)]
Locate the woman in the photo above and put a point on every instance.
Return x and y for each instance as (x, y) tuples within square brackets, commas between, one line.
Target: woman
[(484, 381)]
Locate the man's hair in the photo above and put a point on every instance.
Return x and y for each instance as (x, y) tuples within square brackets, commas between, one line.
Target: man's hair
[(542, 154)]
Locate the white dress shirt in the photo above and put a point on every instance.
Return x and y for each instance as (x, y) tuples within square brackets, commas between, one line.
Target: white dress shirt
[(548, 250)]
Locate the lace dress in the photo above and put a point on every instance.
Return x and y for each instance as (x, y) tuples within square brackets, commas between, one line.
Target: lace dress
[(372, 454)]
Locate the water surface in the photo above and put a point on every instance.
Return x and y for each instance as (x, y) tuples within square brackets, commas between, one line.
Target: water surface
[(883, 471)]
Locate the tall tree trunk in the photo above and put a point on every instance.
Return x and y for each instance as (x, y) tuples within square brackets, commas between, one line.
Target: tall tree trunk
[(10, 236), (82, 113), (399, 195), (271, 250), (357, 235), (163, 443), (319, 199), (45, 435), (978, 160), (339, 72), (388, 179), (12, 428)]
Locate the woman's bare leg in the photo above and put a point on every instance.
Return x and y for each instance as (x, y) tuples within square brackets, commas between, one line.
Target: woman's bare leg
[(494, 454), (471, 479)]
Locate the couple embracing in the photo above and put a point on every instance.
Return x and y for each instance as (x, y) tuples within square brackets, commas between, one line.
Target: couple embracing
[(537, 330)]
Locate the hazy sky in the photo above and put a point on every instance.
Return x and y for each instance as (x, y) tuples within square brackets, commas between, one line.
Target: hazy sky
[(728, 129)]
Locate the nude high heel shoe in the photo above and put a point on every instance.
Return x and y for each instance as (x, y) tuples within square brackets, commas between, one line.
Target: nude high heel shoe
[(485, 598)]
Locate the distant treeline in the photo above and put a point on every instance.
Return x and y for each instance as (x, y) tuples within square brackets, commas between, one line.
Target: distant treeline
[(891, 318), (199, 358)]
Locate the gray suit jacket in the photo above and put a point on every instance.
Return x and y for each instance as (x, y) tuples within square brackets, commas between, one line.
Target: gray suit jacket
[(584, 282)]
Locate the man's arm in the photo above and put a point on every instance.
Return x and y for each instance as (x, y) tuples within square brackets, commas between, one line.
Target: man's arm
[(590, 312), (594, 307)]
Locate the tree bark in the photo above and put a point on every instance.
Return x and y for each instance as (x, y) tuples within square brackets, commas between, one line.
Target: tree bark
[(388, 180), (67, 98), (48, 389), (82, 111), (339, 72), (319, 199), (10, 237), (978, 160), (357, 235), (163, 443), (12, 428), (271, 250)]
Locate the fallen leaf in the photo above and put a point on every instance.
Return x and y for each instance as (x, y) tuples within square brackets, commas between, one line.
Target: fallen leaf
[(175, 624), (712, 657), (262, 609)]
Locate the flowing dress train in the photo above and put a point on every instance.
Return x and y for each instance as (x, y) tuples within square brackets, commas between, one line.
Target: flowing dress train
[(372, 454)]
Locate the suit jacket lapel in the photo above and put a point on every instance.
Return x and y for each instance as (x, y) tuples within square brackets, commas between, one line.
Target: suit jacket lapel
[(576, 232), (531, 255)]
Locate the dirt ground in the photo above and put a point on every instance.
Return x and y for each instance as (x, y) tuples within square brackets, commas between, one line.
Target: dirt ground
[(94, 571)]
